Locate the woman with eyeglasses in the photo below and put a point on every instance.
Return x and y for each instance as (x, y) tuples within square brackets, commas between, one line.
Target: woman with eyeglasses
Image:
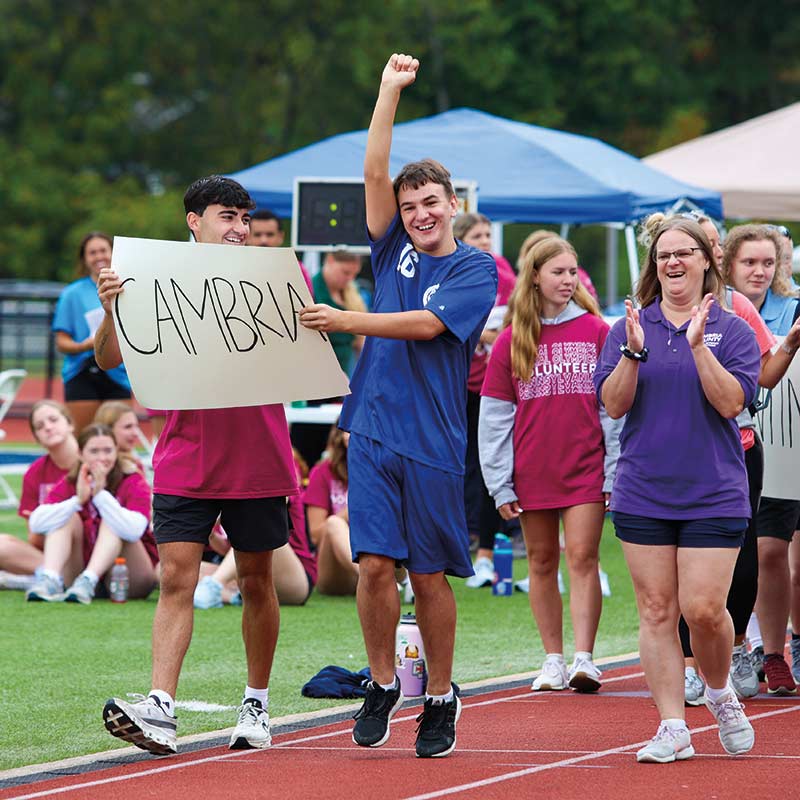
[(751, 264), (744, 585), (681, 367)]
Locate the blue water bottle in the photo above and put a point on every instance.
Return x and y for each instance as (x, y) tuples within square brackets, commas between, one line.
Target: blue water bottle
[(503, 563)]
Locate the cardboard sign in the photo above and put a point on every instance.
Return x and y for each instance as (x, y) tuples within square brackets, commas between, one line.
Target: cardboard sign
[(778, 425), (215, 326)]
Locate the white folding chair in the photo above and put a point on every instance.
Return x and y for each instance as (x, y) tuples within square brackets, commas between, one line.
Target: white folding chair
[(10, 381)]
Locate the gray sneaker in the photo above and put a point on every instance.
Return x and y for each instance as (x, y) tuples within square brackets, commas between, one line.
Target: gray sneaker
[(794, 649), (735, 731), (757, 660), (669, 744), (693, 688), (743, 676), (81, 591), (46, 589)]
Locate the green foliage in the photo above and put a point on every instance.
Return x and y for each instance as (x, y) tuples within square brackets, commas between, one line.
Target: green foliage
[(108, 110)]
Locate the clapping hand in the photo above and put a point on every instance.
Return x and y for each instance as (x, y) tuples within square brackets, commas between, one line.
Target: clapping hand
[(400, 71), (697, 326), (633, 329), (83, 486)]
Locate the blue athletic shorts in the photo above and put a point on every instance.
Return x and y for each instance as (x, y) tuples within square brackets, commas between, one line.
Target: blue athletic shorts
[(710, 532), (405, 510)]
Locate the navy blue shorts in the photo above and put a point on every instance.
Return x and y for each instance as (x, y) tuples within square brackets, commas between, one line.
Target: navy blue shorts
[(710, 532), (405, 510)]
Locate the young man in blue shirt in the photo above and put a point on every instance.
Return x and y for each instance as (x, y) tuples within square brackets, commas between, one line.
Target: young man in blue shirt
[(407, 418)]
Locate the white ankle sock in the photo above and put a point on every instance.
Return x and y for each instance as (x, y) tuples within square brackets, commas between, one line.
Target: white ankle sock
[(387, 686), (584, 654), (91, 576), (674, 723), (166, 700), (439, 699), (715, 695), (262, 695), (554, 657)]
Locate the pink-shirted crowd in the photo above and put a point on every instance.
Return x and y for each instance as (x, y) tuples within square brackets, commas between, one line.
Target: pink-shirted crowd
[(566, 419)]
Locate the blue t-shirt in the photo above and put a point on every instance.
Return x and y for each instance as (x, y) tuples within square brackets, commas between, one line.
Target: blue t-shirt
[(411, 396), (79, 313), (679, 458), (778, 312)]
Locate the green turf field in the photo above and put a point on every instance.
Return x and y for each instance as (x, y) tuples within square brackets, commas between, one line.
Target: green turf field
[(61, 661)]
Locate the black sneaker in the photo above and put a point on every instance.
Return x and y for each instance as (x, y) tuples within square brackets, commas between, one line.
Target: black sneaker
[(372, 719), (436, 732)]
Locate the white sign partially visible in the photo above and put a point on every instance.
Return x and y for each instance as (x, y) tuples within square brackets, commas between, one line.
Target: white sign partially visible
[(779, 427), (215, 326)]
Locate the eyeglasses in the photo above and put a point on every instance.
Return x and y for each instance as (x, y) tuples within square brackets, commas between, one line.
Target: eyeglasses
[(680, 255), (782, 230)]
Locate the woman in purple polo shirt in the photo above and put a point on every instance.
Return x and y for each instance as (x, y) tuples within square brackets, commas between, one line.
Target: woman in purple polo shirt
[(681, 368)]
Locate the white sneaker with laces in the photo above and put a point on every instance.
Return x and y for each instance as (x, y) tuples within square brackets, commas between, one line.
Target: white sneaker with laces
[(605, 585), (523, 585), (252, 728), (144, 723), (45, 588), (693, 688), (81, 591), (584, 676), (743, 677), (669, 744), (553, 677), (735, 731), (484, 574)]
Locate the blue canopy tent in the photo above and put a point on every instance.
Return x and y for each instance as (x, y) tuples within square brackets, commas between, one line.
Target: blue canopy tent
[(525, 173)]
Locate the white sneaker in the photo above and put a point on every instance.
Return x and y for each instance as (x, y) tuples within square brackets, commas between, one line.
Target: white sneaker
[(693, 688), (584, 676), (208, 593), (562, 589), (553, 677), (743, 677), (484, 574), (669, 744), (252, 728), (81, 591), (523, 585), (46, 589), (735, 731), (10, 580), (144, 723)]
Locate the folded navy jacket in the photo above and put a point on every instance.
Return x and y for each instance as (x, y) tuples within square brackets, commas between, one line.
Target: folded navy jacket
[(332, 681)]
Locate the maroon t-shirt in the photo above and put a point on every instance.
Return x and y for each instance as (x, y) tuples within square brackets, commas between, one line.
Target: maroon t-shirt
[(39, 479), (558, 439), (225, 453), (324, 490)]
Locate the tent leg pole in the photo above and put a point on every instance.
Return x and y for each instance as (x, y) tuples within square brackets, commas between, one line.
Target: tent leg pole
[(612, 257), (633, 262)]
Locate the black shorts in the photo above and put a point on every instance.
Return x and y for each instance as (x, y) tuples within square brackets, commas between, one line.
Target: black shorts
[(252, 525), (707, 532), (778, 519), (91, 383)]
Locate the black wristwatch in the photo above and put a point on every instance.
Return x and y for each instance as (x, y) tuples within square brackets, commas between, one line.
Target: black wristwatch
[(628, 353)]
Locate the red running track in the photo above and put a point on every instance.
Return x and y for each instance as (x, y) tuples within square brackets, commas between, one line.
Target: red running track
[(549, 745)]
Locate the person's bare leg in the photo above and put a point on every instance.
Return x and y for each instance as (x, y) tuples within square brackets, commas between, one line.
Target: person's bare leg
[(60, 546), (142, 573), (107, 547), (704, 578), (774, 592), (291, 581), (794, 571), (174, 617), (540, 529), (338, 575), (655, 581), (436, 616), (379, 612), (82, 412), (19, 557), (583, 526), (260, 615)]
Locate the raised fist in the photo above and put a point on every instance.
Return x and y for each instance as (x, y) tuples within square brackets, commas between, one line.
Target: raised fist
[(400, 71)]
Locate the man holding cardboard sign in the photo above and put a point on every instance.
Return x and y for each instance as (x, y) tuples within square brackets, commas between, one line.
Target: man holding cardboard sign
[(235, 463)]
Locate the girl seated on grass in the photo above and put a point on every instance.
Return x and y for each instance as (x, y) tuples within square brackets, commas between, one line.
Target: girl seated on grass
[(98, 512), (52, 428)]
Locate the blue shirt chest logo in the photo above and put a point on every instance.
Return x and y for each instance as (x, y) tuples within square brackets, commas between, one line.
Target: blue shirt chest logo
[(407, 263)]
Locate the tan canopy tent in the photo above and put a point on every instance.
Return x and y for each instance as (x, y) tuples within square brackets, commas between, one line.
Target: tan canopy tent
[(754, 165)]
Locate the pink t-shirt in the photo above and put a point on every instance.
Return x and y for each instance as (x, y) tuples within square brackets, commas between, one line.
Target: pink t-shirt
[(225, 453), (324, 490), (558, 440), (41, 476), (743, 308), (298, 538), (132, 493), (506, 279)]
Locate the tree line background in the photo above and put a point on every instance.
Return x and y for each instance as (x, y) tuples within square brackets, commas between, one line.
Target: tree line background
[(109, 109)]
